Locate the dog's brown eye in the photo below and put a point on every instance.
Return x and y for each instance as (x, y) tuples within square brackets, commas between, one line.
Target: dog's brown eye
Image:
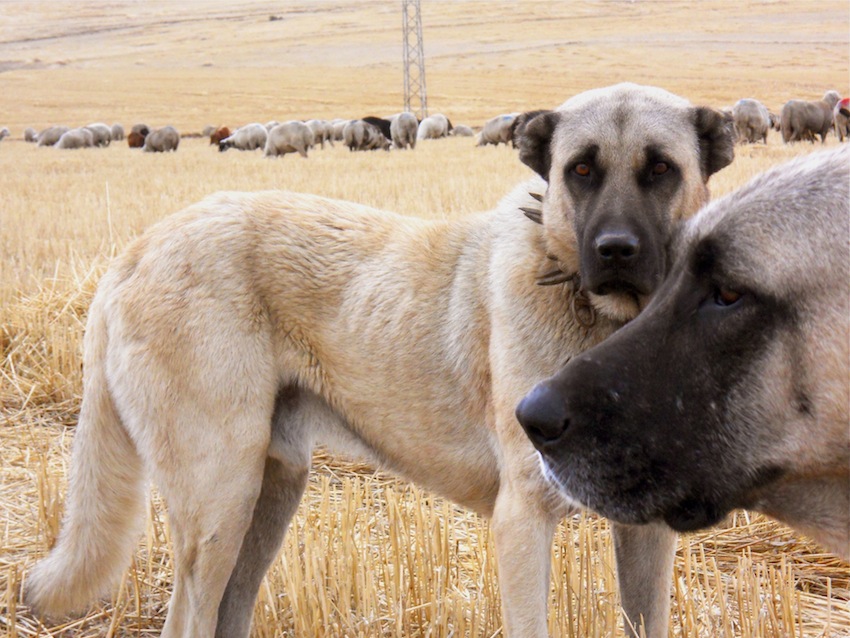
[(582, 170), (726, 297), (660, 168)]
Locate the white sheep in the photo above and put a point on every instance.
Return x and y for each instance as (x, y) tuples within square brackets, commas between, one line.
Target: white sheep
[(403, 130), (322, 132), (246, 138), (434, 127), (338, 125), (359, 135), (101, 133), (75, 138), (51, 135), (162, 140), (289, 137), (461, 130), (497, 130)]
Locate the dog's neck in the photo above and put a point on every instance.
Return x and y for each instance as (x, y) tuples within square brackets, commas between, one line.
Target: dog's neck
[(554, 273)]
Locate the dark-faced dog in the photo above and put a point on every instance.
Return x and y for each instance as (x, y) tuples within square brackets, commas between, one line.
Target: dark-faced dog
[(732, 389)]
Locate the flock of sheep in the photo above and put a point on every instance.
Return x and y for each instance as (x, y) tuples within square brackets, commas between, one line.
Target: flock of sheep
[(799, 120), (401, 130)]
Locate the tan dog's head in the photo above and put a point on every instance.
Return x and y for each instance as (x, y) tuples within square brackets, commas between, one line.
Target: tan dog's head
[(732, 388), (623, 163)]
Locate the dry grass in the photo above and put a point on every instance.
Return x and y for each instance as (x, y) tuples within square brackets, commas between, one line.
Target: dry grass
[(366, 555)]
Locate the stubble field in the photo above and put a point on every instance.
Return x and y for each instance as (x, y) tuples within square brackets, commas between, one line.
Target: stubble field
[(367, 555)]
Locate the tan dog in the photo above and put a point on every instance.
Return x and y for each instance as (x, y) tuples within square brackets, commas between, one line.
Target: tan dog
[(233, 336), (733, 388)]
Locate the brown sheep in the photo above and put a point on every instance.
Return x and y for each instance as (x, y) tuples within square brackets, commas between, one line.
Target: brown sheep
[(219, 134), (135, 140)]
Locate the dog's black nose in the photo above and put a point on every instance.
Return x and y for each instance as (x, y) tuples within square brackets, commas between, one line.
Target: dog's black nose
[(617, 247), (543, 415)]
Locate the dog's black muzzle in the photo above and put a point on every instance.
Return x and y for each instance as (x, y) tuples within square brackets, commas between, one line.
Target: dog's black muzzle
[(621, 258)]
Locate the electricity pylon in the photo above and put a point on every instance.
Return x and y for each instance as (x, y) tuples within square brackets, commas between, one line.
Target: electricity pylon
[(414, 59)]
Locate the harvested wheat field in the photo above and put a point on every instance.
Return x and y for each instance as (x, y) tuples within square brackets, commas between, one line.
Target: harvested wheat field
[(367, 554)]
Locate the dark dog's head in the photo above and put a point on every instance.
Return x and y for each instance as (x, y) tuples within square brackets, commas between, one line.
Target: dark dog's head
[(733, 380), (623, 163)]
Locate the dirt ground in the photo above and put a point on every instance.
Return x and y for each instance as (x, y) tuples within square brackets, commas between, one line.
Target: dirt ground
[(209, 61)]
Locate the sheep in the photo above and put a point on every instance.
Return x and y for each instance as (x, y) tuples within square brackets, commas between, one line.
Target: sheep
[(51, 135), (76, 138), (4, 132), (841, 118), (208, 130), (218, 135), (101, 133), (434, 127), (775, 121), (383, 125), (162, 140), (359, 135), (117, 132), (462, 130), (497, 130), (246, 138), (289, 137), (803, 120), (135, 140), (403, 130), (338, 125), (322, 132), (270, 125), (30, 135), (752, 121)]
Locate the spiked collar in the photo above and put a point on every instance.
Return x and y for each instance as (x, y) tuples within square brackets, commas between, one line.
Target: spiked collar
[(582, 309)]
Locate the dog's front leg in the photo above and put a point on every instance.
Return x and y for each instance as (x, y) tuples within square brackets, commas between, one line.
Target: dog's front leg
[(523, 532), (644, 556)]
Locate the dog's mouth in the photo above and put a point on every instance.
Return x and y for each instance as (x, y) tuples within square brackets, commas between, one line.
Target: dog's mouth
[(618, 282), (619, 287)]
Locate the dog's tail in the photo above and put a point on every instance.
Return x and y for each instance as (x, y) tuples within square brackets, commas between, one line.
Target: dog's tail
[(106, 496)]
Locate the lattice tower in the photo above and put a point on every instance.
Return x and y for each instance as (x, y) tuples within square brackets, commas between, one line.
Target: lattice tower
[(414, 59)]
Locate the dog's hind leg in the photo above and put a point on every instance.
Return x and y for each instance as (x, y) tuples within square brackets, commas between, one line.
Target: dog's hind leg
[(211, 499), (284, 480), (644, 555), (279, 497)]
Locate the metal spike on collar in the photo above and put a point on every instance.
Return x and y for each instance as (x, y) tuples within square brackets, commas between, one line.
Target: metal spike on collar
[(554, 277), (533, 214)]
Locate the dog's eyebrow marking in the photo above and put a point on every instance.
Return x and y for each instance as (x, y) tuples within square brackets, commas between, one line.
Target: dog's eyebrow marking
[(656, 153), (705, 257), (588, 154)]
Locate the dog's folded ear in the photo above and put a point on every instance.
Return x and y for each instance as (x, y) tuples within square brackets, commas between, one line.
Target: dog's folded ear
[(532, 132), (716, 134)]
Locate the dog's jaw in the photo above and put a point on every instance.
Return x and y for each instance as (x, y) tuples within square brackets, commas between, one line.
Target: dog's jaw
[(552, 479), (619, 307)]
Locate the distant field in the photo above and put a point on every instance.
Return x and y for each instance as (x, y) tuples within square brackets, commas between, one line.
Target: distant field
[(367, 555), (203, 61)]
